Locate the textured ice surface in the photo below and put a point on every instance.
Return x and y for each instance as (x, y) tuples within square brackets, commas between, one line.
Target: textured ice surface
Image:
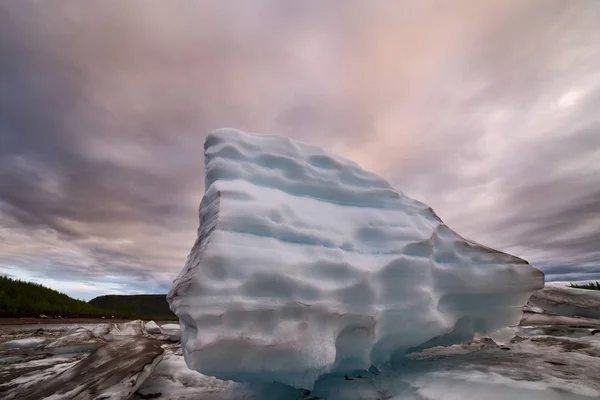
[(124, 330), (113, 372), (76, 341), (131, 328), (567, 301), (533, 366), (27, 343), (533, 319), (171, 330), (152, 327), (306, 264)]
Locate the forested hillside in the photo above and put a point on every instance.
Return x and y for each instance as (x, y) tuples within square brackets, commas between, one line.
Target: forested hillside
[(27, 299), (154, 305)]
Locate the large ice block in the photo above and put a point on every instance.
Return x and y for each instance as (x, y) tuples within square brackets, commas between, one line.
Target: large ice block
[(307, 264)]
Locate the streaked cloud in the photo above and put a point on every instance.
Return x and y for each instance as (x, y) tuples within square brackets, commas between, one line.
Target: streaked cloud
[(487, 111)]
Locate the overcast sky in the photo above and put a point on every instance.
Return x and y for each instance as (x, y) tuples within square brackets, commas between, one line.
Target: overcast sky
[(488, 111)]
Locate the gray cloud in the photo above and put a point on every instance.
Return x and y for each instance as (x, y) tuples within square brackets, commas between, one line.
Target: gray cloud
[(487, 112)]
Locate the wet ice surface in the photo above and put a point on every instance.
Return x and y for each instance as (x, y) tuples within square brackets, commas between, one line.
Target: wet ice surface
[(546, 357), (26, 343), (171, 330), (47, 327), (567, 301), (104, 361), (114, 371), (533, 365)]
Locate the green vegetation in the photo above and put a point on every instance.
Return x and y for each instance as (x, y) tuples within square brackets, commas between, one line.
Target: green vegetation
[(27, 299), (151, 306), (590, 285)]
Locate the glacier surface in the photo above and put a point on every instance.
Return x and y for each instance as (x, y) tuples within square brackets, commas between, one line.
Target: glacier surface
[(305, 264), (567, 301)]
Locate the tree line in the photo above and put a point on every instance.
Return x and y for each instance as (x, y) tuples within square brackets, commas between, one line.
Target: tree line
[(28, 299), (590, 285)]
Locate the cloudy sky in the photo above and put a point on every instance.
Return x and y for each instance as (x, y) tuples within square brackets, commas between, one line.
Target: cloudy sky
[(489, 111)]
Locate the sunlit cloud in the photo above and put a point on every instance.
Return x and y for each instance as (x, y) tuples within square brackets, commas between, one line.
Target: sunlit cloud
[(487, 111)]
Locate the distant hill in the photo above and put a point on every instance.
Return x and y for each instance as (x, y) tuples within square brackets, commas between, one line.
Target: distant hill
[(151, 305), (26, 299)]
